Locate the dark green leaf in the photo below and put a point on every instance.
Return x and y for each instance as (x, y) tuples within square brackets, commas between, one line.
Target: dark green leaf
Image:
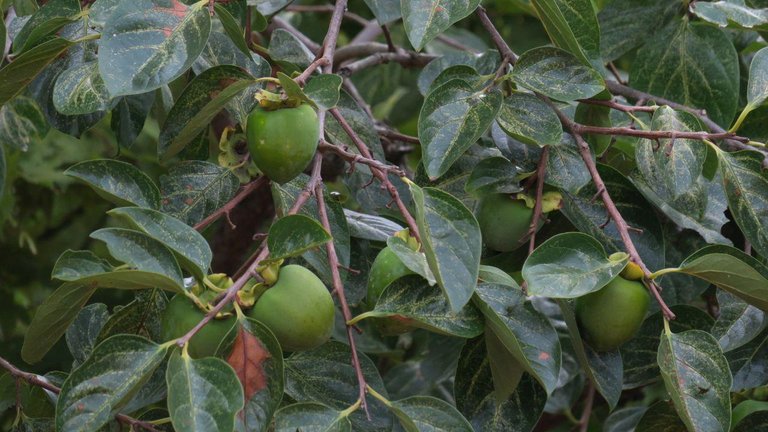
[(232, 28), (129, 115), (529, 119), (624, 419), (187, 245), (452, 118), (697, 378), (425, 19), (565, 167), (45, 22), (293, 235), (385, 11), (94, 392), (22, 123), (82, 333), (757, 88), (140, 317), (570, 265), (661, 417), (318, 417), (699, 67), (416, 261), (493, 175), (525, 332), (203, 395), (148, 43), (193, 190), (452, 242), (425, 413), (323, 90), (624, 24), (557, 74), (285, 47), (738, 322), (753, 422), (749, 363), (572, 26), (80, 90), (734, 14), (15, 76), (118, 182)]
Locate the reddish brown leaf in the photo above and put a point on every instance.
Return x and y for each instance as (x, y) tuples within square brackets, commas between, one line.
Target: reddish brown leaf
[(247, 359)]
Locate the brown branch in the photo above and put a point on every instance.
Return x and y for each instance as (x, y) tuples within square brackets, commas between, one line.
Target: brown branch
[(406, 59), (354, 158), (626, 131), (504, 49), (390, 133), (587, 412), (327, 9), (619, 106), (338, 289), (325, 57), (241, 195), (37, 381), (382, 176), (541, 172)]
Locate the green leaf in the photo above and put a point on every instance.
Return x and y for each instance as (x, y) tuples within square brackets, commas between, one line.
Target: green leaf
[(141, 317), (385, 11), (95, 392), (557, 74), (141, 252), (451, 239), (737, 323), (413, 302), (495, 174), (81, 335), (753, 422), (370, 227), (44, 22), (425, 19), (731, 270), (416, 261), (426, 413), (639, 353), (3, 171), (565, 167), (325, 375), (757, 87), (527, 118), (129, 115), (624, 24), (269, 7), (205, 96), (732, 13), (452, 118), (572, 26), (80, 90), (117, 182), (17, 75), (672, 167), (286, 49), (570, 265), (694, 65), (193, 190), (318, 417), (232, 28), (100, 11), (746, 187), (293, 235), (187, 245), (624, 419), (22, 123), (476, 399), (526, 333), (203, 394), (360, 122), (53, 317), (661, 416), (697, 378), (748, 364), (324, 90), (148, 43)]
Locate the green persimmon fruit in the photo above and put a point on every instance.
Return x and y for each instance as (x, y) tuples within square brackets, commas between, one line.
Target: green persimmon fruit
[(746, 408), (282, 142), (632, 272), (298, 309), (504, 221), (612, 315), (179, 318), (386, 268)]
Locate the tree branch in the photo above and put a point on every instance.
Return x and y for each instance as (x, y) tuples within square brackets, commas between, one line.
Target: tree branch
[(626, 131), (241, 195), (36, 380), (354, 158), (325, 57), (541, 172)]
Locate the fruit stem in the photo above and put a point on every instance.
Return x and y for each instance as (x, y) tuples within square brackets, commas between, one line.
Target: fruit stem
[(378, 396), (352, 408)]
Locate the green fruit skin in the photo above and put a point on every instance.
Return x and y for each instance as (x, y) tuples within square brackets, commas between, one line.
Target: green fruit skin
[(282, 142), (504, 222), (611, 316), (181, 315), (386, 268), (298, 309)]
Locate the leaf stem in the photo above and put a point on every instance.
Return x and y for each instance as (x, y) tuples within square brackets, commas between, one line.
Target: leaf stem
[(379, 396)]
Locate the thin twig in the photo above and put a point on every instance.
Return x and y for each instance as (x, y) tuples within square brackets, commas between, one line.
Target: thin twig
[(395, 135), (619, 106), (234, 202), (354, 158), (541, 172), (327, 9), (504, 49), (38, 381), (650, 134), (587, 412), (325, 56)]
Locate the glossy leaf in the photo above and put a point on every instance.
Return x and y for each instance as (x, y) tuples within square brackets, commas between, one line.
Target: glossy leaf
[(697, 378), (324, 90), (187, 245), (118, 182), (572, 25), (661, 416), (425, 413), (699, 66), (757, 87), (385, 11), (746, 187), (738, 322), (22, 123), (451, 239), (527, 118), (525, 332), (140, 252), (81, 90), (624, 24), (565, 167), (44, 22), (570, 265), (416, 261), (149, 43), (81, 335), (17, 75), (493, 175), (129, 115), (425, 19), (312, 415), (193, 190), (203, 394), (557, 74), (141, 317), (94, 392), (734, 14), (232, 28), (293, 235), (452, 118), (370, 227)]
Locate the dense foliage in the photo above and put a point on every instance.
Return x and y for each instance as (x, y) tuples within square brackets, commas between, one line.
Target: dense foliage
[(374, 215)]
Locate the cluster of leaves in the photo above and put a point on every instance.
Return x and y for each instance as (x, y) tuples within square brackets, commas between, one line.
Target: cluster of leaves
[(157, 79)]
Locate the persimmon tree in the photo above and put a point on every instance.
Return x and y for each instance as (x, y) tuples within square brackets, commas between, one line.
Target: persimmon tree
[(415, 215)]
